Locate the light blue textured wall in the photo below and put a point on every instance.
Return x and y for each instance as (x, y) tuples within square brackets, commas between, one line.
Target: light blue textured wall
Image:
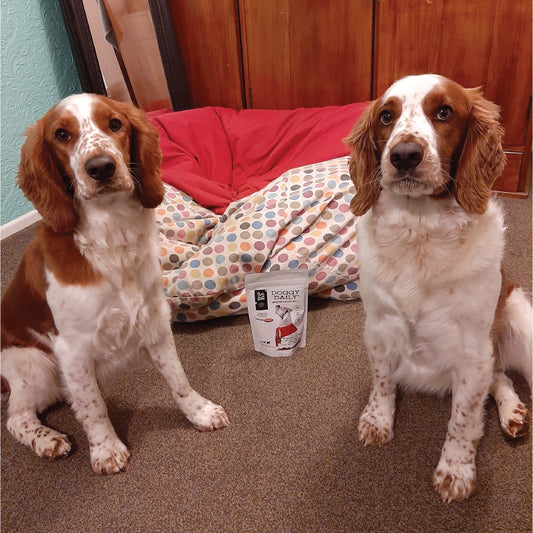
[(37, 71)]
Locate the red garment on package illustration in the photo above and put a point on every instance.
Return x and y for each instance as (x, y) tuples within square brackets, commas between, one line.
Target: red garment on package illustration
[(283, 331)]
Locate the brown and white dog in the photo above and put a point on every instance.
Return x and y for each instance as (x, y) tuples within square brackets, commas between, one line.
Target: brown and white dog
[(87, 299), (440, 315)]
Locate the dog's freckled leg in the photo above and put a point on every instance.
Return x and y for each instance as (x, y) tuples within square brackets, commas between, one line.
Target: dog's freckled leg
[(203, 414), (455, 475), (376, 422), (108, 454)]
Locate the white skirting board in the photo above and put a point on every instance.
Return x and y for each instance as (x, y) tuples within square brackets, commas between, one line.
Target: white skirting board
[(19, 224)]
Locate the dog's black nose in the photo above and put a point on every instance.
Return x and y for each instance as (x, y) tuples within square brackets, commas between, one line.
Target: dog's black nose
[(406, 155), (101, 167)]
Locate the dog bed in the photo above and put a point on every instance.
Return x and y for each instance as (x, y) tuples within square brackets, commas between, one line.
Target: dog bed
[(251, 191)]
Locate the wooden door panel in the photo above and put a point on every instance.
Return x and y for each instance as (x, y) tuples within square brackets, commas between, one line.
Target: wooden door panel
[(207, 36), (306, 53), (474, 42)]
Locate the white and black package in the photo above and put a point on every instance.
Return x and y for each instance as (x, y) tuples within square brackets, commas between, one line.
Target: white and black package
[(277, 308)]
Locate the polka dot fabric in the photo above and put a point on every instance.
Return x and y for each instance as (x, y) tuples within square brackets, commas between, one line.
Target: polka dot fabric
[(301, 220)]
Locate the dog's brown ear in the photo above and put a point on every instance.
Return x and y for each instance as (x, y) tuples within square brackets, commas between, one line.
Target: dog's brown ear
[(482, 159), (41, 182), (364, 162), (145, 157)]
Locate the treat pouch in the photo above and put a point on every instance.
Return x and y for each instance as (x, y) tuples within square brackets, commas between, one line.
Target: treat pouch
[(277, 308)]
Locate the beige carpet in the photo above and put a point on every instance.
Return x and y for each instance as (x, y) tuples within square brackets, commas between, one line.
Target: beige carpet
[(290, 461)]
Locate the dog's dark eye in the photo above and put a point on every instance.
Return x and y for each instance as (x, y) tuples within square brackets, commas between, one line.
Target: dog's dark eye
[(115, 124), (385, 118), (62, 135), (445, 112)]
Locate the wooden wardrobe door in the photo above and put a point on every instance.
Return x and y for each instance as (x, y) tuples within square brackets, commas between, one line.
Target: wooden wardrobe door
[(207, 36), (306, 53), (474, 42)]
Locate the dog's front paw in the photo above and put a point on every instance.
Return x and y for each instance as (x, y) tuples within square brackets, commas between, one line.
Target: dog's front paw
[(372, 435), (203, 414), (455, 482), (209, 417), (375, 429), (109, 457)]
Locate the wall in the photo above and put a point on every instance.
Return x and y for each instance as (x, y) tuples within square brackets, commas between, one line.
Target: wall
[(37, 70)]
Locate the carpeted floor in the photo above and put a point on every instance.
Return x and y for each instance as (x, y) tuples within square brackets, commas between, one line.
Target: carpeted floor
[(290, 460)]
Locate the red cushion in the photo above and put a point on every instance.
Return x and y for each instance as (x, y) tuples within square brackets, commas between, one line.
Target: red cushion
[(218, 155)]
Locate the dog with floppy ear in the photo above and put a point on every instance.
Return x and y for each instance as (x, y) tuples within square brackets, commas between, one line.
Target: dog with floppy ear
[(440, 314), (476, 159), (87, 300)]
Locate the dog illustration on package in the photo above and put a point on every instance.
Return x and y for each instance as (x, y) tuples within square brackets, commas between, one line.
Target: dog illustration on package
[(287, 336)]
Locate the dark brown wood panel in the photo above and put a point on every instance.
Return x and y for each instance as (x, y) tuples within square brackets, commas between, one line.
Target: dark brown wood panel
[(507, 181), (207, 36), (306, 53), (479, 42), (524, 182)]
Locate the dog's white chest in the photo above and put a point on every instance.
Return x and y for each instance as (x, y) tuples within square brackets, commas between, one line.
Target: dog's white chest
[(114, 316), (120, 326), (417, 250), (429, 282)]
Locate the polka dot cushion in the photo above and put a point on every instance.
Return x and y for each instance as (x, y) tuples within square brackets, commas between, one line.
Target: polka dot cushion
[(301, 220)]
